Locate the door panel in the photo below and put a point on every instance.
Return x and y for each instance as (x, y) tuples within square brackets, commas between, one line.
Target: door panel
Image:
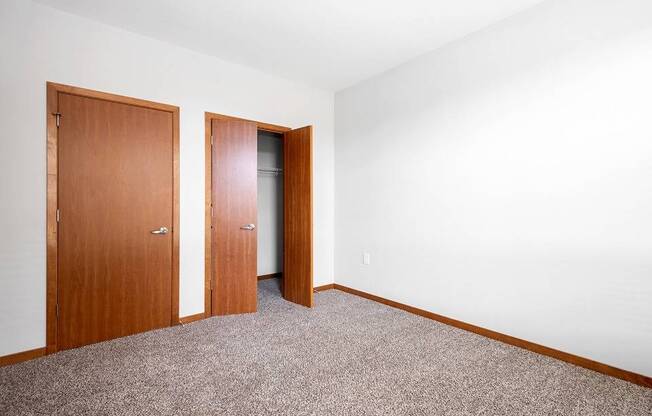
[(297, 217), (234, 194), (115, 186)]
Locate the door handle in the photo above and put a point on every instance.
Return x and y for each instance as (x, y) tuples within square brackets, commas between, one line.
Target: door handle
[(248, 227), (162, 230)]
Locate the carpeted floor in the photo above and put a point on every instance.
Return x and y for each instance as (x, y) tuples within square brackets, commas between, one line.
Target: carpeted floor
[(346, 356)]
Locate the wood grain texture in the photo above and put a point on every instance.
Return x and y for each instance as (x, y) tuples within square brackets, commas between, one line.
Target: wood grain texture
[(51, 219), (507, 339), (115, 187), (136, 102), (234, 195), (191, 318), (208, 235), (208, 219), (297, 216), (176, 222), (270, 276), (105, 105), (259, 125), (19, 357)]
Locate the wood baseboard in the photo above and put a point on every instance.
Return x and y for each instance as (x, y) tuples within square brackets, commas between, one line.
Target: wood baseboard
[(19, 357), (271, 276), (40, 352), (324, 287), (507, 339), (191, 318)]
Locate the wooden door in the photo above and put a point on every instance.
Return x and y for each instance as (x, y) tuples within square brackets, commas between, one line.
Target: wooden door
[(115, 186), (297, 216), (234, 198)]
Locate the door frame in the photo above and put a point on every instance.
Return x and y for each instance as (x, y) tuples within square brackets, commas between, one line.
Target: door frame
[(208, 269), (53, 90)]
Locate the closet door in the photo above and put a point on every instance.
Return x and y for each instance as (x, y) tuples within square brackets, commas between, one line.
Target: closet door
[(234, 194), (297, 216)]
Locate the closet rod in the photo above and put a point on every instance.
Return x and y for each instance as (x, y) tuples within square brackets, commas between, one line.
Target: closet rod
[(272, 171)]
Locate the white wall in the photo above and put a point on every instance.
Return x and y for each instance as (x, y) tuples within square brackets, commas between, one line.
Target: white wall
[(39, 44), (506, 180), (270, 205)]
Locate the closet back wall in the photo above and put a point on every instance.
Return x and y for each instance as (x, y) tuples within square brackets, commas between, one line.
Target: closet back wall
[(40, 44), (270, 205)]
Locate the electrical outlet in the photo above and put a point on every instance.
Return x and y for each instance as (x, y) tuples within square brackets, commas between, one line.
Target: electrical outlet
[(366, 258)]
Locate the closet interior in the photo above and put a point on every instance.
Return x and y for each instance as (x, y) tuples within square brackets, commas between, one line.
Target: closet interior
[(259, 215), (270, 205)]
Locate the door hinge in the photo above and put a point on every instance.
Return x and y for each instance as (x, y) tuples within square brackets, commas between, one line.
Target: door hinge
[(211, 140), (57, 307), (57, 117), (58, 215)]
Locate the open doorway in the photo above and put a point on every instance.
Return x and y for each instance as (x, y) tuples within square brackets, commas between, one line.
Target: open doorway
[(257, 175), (270, 212)]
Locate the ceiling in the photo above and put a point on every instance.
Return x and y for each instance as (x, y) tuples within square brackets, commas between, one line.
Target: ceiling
[(331, 44)]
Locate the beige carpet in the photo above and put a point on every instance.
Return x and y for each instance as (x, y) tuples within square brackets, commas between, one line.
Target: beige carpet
[(346, 356)]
